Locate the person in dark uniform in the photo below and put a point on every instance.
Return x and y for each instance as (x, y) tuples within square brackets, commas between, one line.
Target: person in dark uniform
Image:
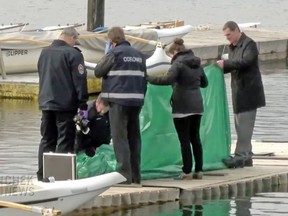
[(99, 128), (247, 90), (124, 85), (62, 90)]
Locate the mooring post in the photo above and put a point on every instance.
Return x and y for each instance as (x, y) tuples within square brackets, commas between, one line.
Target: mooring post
[(2, 66), (95, 14)]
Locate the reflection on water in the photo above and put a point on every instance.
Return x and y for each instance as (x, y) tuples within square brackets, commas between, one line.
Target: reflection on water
[(19, 136), (267, 203)]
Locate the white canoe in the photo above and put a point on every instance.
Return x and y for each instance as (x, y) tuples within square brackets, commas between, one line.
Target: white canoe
[(21, 50), (65, 196), (60, 27), (249, 25), (167, 35)]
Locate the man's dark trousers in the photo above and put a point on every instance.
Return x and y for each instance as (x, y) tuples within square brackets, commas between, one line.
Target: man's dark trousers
[(58, 135), (125, 130)]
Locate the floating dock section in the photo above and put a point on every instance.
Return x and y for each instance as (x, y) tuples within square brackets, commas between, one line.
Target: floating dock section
[(270, 173)]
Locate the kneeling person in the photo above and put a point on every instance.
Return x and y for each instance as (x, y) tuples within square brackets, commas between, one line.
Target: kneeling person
[(99, 128)]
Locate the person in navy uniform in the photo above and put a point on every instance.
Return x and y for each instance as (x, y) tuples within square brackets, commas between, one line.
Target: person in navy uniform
[(62, 91), (124, 85), (99, 128), (247, 90)]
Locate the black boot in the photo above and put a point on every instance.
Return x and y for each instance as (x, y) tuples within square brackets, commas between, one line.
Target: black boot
[(248, 163), (234, 162)]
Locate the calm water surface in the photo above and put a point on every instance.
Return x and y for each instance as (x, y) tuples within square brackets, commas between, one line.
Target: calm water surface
[(271, 13), (259, 204), (20, 120)]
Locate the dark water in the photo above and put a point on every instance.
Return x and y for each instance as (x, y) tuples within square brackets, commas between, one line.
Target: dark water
[(20, 120), (271, 121), (271, 13), (272, 202)]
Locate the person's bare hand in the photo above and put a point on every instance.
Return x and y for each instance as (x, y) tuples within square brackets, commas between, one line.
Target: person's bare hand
[(220, 63)]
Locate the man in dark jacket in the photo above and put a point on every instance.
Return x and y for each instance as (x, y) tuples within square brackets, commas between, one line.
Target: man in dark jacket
[(62, 90), (247, 90), (124, 85), (99, 128)]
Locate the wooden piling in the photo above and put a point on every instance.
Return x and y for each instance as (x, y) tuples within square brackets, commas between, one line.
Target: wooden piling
[(258, 186), (216, 192), (207, 193), (95, 14), (232, 189), (224, 191), (249, 188)]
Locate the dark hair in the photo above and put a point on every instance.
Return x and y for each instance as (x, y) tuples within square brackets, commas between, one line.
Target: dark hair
[(231, 25), (116, 34), (178, 45), (101, 100)]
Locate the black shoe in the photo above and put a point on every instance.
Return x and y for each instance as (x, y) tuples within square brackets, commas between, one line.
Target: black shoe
[(234, 162), (248, 163)]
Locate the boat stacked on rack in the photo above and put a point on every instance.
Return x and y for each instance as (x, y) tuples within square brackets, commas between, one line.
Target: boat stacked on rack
[(21, 50), (60, 27)]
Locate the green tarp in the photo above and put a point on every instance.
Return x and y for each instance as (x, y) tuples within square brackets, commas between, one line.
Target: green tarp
[(160, 154)]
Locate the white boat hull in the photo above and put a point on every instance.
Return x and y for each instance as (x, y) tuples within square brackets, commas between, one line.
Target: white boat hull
[(157, 64), (61, 195), (66, 204), (21, 56)]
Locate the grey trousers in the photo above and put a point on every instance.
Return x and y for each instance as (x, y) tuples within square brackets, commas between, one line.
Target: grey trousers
[(244, 125), (125, 131)]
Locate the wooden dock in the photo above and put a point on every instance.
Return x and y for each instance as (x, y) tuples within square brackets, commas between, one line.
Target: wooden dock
[(269, 173), (207, 42)]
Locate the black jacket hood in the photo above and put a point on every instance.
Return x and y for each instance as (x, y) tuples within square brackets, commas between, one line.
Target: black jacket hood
[(188, 58)]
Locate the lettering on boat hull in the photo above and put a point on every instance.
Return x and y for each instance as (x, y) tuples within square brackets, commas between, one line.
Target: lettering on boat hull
[(16, 52)]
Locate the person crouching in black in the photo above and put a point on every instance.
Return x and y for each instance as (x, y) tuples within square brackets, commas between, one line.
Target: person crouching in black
[(96, 131)]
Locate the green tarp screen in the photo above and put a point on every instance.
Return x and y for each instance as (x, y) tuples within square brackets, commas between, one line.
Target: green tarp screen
[(160, 153)]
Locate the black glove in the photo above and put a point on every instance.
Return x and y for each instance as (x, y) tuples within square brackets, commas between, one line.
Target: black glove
[(90, 152)]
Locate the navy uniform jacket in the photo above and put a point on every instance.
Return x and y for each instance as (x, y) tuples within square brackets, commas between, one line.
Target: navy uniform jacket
[(123, 70), (62, 78)]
